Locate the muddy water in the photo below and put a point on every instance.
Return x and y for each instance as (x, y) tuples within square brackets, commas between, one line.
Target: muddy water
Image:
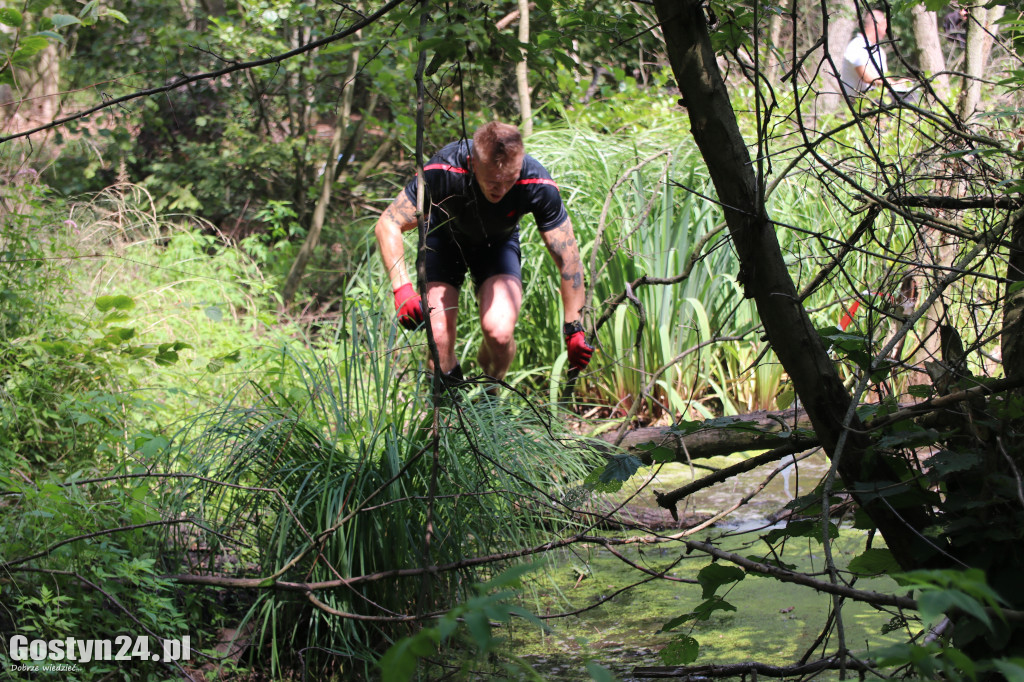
[(782, 482), (619, 629)]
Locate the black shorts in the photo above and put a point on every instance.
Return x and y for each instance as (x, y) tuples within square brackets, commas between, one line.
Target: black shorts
[(448, 261)]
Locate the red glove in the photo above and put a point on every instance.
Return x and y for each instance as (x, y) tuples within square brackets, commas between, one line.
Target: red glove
[(409, 306), (576, 342)]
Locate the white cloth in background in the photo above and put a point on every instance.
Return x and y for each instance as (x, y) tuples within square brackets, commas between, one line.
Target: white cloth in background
[(859, 53)]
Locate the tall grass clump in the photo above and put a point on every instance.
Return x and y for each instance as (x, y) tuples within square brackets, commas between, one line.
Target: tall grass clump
[(342, 472)]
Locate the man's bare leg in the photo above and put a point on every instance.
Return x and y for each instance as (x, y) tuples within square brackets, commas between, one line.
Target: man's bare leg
[(443, 306), (500, 298)]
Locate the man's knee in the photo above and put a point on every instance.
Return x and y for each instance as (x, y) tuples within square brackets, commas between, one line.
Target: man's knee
[(499, 333)]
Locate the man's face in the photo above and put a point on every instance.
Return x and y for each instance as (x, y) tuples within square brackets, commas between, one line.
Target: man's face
[(874, 31), (496, 182)]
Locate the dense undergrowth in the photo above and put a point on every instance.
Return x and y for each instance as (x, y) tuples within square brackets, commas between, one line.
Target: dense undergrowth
[(167, 433)]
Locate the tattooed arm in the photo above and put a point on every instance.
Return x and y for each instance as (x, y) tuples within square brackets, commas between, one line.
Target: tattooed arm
[(399, 217), (562, 246)]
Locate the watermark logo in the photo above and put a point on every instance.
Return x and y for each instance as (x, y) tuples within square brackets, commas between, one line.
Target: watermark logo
[(65, 655)]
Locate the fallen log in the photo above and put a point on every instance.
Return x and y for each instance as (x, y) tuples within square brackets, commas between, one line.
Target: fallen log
[(767, 430), (762, 430)]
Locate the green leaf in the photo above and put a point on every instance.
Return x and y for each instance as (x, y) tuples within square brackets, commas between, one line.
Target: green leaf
[(680, 651), (658, 453), (715, 575), (772, 561), (686, 427), (920, 391), (10, 17), (119, 335), (50, 35), (166, 358), (599, 673), (479, 628), (398, 664), (28, 48), (702, 612), (1011, 668), (619, 468), (934, 603), (58, 21), (874, 562), (808, 528), (108, 12), (120, 302)]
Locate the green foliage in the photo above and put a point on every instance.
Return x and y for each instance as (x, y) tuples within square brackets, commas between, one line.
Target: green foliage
[(478, 614), (97, 574), (682, 650), (715, 575), (36, 28), (874, 561), (609, 478), (956, 593)]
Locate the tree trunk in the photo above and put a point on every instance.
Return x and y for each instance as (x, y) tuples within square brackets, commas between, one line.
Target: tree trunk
[(46, 88), (932, 61), (1012, 339), (522, 71), (764, 276), (302, 259), (773, 50), (981, 26)]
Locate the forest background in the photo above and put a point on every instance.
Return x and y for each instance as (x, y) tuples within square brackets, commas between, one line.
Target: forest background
[(211, 425)]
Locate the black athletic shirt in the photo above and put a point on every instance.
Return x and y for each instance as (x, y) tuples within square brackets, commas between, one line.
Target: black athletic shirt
[(454, 200)]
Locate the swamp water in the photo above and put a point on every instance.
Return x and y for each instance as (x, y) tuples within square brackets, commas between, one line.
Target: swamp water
[(616, 621)]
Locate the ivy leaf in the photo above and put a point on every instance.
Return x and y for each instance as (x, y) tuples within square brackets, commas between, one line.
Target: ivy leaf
[(874, 562), (685, 427), (715, 575), (619, 468), (658, 453), (680, 651), (702, 612)]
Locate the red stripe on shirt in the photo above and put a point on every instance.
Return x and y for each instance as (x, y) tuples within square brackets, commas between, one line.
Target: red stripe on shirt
[(537, 181), (445, 167)]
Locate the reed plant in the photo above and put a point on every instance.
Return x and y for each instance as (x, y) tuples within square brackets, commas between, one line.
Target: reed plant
[(633, 222), (344, 470)]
